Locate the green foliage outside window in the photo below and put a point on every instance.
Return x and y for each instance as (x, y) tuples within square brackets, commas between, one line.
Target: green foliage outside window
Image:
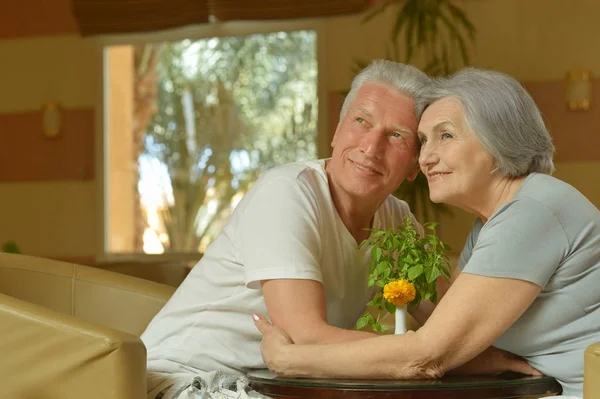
[(227, 110)]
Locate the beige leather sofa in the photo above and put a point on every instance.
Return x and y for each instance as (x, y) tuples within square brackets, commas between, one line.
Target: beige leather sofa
[(591, 373), (170, 273), (71, 331)]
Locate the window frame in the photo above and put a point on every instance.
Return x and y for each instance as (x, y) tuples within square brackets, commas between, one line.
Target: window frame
[(193, 32)]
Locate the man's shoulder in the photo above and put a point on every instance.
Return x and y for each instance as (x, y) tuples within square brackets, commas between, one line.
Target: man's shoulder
[(393, 203), (392, 212), (309, 173), (294, 170)]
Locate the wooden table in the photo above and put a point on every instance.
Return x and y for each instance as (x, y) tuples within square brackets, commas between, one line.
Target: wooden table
[(508, 385)]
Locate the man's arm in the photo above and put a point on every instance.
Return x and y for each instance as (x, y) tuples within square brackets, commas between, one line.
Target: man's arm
[(488, 307), (298, 307)]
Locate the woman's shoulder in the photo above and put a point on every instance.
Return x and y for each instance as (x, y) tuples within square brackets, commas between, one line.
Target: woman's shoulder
[(545, 193), (546, 188)]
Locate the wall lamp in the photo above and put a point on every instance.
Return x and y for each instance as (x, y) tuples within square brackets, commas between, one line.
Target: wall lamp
[(579, 89)]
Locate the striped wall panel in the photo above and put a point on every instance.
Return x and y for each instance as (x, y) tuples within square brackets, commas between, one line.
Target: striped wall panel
[(26, 155)]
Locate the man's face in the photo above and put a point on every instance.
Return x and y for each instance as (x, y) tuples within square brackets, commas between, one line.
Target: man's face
[(375, 145)]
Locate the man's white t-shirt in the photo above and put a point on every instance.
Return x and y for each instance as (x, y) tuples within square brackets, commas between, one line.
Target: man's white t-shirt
[(285, 227)]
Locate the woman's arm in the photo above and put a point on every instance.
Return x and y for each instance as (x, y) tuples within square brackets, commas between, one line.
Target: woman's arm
[(422, 312), (475, 311)]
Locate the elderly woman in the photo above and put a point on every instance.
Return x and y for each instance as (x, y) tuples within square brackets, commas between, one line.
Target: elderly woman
[(529, 274)]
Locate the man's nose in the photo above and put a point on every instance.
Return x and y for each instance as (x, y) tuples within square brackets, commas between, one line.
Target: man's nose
[(372, 142)]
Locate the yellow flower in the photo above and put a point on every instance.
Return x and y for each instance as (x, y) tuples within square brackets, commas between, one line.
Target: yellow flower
[(399, 292)]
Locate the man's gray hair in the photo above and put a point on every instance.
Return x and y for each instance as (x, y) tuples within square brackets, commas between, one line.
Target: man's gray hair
[(503, 116), (404, 78)]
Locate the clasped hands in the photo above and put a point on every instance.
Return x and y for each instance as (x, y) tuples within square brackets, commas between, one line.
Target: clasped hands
[(276, 344)]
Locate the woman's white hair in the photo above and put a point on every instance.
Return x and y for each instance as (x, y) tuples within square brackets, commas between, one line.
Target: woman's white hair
[(404, 78), (502, 115)]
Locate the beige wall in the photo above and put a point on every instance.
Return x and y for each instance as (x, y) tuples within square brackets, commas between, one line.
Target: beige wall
[(52, 218), (533, 39)]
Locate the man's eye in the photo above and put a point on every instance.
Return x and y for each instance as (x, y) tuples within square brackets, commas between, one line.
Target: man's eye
[(359, 120), (397, 135)]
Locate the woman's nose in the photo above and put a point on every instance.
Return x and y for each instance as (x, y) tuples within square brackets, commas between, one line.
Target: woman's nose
[(428, 155)]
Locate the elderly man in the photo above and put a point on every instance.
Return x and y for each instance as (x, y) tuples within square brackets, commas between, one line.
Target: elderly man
[(290, 249)]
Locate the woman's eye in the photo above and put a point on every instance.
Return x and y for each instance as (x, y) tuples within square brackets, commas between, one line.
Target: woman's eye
[(446, 135), (422, 140)]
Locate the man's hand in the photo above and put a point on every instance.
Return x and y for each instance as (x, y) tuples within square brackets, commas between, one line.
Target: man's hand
[(273, 345), (493, 361)]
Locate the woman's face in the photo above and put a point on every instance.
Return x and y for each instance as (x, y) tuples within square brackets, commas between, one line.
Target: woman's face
[(457, 167)]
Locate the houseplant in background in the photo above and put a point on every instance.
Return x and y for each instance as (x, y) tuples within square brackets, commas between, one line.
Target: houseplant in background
[(10, 247), (436, 35), (405, 267)]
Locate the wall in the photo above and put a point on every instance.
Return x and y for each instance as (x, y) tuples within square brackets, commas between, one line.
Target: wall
[(537, 41), (56, 213), (48, 192)]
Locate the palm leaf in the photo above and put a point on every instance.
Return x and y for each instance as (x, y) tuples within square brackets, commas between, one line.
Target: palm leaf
[(378, 10), (460, 15), (456, 37)]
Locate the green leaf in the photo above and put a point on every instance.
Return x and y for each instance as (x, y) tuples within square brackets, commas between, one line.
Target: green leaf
[(384, 5), (390, 307), (408, 35), (375, 301), (445, 273), (10, 247), (378, 233), (363, 321), (386, 274), (376, 254), (414, 272), (460, 16), (434, 296), (432, 274), (427, 295), (430, 225)]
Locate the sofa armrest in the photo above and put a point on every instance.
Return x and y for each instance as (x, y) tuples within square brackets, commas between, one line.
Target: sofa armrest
[(48, 354), (591, 372)]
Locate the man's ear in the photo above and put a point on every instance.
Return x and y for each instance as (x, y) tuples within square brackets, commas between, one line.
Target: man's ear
[(334, 138), (414, 173)]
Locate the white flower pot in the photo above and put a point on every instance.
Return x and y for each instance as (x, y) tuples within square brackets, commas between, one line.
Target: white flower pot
[(400, 320)]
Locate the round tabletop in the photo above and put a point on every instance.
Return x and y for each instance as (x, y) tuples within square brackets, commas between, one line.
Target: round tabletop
[(506, 385)]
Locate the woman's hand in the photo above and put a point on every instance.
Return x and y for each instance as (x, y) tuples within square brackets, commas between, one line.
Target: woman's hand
[(274, 345), (493, 361)]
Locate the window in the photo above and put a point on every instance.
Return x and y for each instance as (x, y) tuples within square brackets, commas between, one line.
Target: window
[(190, 126)]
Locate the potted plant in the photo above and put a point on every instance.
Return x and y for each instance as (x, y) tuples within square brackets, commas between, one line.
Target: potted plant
[(405, 267), (10, 247)]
